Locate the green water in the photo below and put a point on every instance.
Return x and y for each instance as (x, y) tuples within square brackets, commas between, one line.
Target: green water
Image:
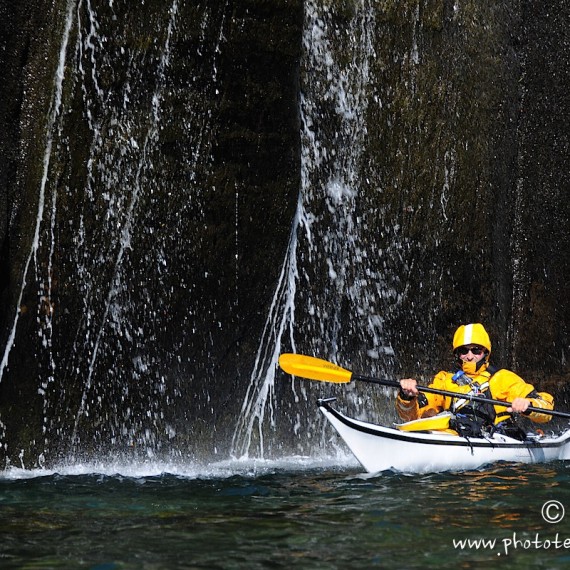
[(291, 514)]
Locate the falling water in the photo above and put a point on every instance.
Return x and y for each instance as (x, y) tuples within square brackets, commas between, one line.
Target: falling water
[(45, 290), (149, 139), (51, 126), (102, 246), (148, 315), (329, 283)]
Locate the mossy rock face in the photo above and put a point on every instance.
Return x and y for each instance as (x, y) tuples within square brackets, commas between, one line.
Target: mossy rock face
[(173, 180), (440, 108)]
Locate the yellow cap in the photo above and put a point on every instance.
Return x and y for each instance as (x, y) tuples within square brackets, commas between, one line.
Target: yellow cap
[(474, 333)]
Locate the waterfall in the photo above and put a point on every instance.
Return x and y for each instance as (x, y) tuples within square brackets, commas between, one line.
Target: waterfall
[(102, 247), (51, 126), (124, 241), (329, 284), (45, 293), (198, 187)]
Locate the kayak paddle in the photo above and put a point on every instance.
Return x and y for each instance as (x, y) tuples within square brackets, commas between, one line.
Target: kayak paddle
[(318, 369)]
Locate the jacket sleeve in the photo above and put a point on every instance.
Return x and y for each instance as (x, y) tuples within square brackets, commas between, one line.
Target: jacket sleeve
[(408, 410), (425, 405), (508, 386), (540, 400)]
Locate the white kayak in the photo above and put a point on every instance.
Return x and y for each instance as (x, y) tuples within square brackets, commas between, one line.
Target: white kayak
[(380, 448)]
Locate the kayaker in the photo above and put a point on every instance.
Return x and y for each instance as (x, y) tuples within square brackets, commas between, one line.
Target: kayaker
[(475, 376)]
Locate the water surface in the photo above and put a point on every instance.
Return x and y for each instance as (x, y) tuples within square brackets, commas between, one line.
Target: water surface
[(292, 513)]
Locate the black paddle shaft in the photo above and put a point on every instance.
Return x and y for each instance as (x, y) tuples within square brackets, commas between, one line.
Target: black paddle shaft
[(427, 389)]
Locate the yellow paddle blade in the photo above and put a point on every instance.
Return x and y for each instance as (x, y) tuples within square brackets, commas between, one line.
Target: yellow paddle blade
[(313, 368)]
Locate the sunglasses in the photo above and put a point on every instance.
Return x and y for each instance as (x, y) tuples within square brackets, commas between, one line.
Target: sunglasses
[(476, 350)]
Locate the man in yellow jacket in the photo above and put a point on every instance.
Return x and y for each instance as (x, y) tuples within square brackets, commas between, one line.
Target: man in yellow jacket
[(475, 376)]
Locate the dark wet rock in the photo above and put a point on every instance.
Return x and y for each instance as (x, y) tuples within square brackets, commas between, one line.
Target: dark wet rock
[(174, 178)]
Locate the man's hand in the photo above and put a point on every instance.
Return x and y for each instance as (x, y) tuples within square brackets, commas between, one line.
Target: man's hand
[(519, 406), (409, 387)]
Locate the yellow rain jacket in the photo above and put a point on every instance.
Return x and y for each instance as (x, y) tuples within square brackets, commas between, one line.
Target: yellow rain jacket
[(502, 385)]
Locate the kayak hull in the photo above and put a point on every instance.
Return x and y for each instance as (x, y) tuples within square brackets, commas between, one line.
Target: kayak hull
[(380, 448)]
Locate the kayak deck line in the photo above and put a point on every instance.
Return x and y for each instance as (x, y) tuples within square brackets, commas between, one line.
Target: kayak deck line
[(378, 447), (432, 438)]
